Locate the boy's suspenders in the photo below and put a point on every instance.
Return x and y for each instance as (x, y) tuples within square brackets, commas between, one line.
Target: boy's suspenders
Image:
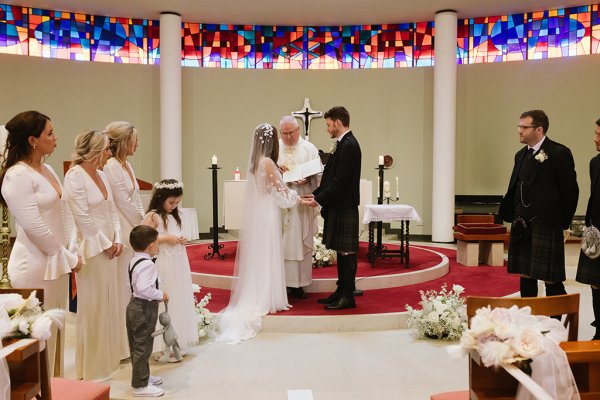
[(131, 274)]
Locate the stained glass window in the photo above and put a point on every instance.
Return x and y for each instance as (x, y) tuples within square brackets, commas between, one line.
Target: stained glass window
[(562, 32), (13, 30)]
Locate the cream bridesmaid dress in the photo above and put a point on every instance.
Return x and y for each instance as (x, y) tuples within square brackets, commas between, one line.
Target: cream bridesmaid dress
[(98, 346), (45, 248), (125, 190)]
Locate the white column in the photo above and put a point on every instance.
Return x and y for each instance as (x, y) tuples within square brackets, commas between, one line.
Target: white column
[(444, 126), (170, 96)]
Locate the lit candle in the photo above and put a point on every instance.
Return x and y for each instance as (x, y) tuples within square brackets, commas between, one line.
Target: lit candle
[(380, 160), (397, 189), (386, 189), (214, 160)]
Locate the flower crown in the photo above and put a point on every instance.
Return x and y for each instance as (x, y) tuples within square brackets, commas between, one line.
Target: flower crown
[(171, 186), (264, 130)]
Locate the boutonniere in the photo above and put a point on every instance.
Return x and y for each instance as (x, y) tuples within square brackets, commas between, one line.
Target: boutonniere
[(333, 147), (541, 156)]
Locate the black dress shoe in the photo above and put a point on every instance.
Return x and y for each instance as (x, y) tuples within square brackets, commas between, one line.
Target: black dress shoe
[(342, 303), (333, 297), (298, 293), (357, 292)]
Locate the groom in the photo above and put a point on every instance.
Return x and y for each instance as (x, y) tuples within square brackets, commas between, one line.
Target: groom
[(339, 197)]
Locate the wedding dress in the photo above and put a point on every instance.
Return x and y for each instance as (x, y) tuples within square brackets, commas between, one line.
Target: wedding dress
[(260, 286)]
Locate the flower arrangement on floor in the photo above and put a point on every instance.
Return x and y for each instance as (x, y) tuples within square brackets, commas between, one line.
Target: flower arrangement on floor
[(206, 321), (443, 316), (22, 318), (322, 256)]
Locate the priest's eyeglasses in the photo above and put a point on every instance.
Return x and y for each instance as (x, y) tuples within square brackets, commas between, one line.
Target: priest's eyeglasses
[(525, 127)]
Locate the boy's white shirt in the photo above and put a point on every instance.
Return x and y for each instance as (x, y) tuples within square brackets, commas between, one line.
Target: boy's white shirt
[(144, 278)]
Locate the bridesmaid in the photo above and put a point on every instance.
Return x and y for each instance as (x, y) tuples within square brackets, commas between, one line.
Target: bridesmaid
[(45, 250), (123, 139), (98, 349)]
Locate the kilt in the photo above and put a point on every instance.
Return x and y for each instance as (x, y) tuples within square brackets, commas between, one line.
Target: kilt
[(340, 229), (588, 270), (541, 258)]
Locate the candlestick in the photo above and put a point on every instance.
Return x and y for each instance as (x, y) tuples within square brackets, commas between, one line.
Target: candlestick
[(380, 160), (378, 188), (397, 189), (214, 160)]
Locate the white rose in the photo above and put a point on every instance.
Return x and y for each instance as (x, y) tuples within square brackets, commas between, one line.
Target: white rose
[(318, 256), (23, 327), (325, 258), (529, 342), (458, 289), (433, 317)]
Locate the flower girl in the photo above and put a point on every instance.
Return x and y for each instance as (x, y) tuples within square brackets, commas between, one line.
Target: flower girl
[(172, 262)]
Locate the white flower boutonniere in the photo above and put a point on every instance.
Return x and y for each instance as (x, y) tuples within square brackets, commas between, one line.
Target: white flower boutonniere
[(541, 156)]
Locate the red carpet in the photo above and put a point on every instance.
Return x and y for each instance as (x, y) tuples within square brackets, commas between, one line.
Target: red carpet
[(477, 281), (419, 259)]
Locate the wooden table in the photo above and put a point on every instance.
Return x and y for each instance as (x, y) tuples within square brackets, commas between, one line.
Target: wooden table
[(27, 366)]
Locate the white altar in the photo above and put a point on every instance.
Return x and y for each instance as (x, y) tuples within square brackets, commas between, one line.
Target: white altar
[(233, 199)]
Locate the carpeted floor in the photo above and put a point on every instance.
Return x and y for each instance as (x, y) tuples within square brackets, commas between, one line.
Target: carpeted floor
[(481, 281)]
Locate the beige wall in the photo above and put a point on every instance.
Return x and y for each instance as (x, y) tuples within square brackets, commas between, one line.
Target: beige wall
[(390, 114)]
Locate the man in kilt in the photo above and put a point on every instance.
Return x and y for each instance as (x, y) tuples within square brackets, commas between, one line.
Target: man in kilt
[(588, 269), (339, 197), (540, 202)]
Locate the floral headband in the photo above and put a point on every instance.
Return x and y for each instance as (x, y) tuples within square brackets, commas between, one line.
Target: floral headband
[(171, 186), (267, 131)]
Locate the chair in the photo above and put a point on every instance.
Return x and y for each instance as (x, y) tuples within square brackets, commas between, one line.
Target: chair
[(42, 362), (490, 383)]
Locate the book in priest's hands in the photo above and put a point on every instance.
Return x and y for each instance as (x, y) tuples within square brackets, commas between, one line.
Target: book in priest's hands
[(304, 170)]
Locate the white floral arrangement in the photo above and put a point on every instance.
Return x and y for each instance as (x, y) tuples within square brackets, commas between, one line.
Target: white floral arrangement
[(506, 336), (322, 256), (443, 316), (23, 318), (206, 320)]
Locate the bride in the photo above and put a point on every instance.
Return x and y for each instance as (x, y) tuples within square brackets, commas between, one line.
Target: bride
[(260, 285)]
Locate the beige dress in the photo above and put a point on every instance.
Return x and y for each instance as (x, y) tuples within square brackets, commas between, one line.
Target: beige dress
[(131, 211), (98, 349), (45, 249)]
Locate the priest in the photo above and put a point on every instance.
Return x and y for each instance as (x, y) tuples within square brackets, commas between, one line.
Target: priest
[(299, 222)]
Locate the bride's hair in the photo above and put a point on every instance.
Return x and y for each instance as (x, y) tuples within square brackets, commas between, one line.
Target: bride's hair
[(163, 190), (265, 143)]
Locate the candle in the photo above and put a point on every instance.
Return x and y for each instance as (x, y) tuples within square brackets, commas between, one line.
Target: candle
[(380, 160), (397, 189), (214, 160), (386, 189)]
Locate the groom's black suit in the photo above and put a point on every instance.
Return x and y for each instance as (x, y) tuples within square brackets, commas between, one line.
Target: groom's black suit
[(339, 197)]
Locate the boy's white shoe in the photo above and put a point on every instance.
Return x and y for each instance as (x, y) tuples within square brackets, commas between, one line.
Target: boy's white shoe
[(148, 391), (155, 380)]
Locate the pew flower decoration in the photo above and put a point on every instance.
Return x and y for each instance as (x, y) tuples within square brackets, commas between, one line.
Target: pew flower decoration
[(507, 336), (322, 256), (541, 156), (443, 314), (206, 321), (23, 318)]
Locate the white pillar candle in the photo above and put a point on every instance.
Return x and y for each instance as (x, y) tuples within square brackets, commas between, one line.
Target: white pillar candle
[(380, 160), (214, 160)]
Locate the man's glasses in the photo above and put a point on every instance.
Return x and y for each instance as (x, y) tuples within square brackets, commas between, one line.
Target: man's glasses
[(525, 127)]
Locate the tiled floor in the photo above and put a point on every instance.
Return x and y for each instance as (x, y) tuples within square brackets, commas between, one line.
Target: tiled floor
[(377, 365)]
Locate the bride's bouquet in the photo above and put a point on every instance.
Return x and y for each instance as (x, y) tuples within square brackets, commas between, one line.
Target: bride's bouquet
[(206, 321)]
